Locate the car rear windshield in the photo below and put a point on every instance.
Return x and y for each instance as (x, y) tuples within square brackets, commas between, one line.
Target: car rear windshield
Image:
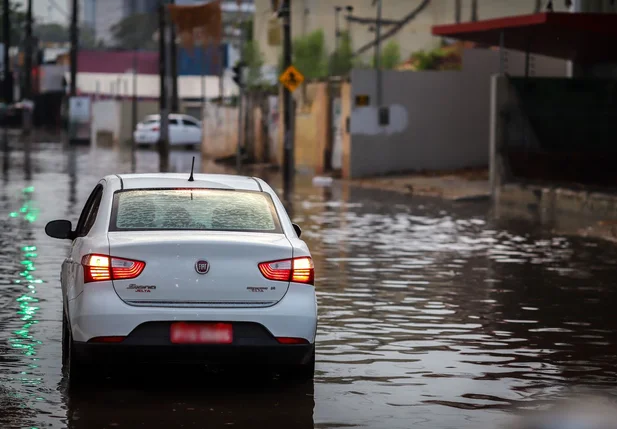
[(193, 209)]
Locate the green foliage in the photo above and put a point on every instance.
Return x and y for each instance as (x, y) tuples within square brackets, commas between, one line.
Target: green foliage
[(252, 56), (359, 63), (437, 59), (309, 55), (58, 33), (51, 33), (427, 60), (247, 28), (87, 38), (17, 22), (136, 31), (341, 60), (390, 56)]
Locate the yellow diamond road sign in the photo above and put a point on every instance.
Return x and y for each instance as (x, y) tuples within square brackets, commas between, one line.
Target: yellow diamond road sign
[(291, 78)]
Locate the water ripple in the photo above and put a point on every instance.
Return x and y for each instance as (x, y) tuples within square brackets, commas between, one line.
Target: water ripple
[(431, 314)]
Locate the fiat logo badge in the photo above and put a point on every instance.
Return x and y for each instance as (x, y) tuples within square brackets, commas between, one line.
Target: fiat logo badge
[(202, 267)]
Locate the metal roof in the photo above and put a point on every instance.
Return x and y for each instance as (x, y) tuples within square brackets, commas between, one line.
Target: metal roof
[(581, 37)]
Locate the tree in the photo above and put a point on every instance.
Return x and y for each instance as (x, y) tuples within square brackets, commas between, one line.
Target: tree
[(87, 38), (391, 56), (136, 31), (341, 60), (309, 55), (51, 33), (18, 22), (58, 33), (252, 56)]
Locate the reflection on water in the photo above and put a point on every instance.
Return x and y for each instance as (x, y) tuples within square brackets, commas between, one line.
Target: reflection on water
[(431, 314), (189, 401)]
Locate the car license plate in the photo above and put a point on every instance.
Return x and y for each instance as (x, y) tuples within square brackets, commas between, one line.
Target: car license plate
[(201, 333)]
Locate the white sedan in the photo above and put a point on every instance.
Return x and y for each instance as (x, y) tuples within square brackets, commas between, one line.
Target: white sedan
[(208, 270), (183, 130)]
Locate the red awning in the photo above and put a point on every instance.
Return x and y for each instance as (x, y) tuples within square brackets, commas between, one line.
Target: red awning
[(582, 37)]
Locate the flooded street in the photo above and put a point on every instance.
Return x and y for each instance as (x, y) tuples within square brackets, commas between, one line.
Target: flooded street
[(432, 315)]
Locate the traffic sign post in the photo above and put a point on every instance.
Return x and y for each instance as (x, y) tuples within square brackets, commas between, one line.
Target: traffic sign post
[(290, 82), (291, 78)]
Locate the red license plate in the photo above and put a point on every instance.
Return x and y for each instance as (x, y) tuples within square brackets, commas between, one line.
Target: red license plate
[(201, 333)]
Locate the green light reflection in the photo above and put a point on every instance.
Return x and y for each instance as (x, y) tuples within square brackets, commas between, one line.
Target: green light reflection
[(28, 307)]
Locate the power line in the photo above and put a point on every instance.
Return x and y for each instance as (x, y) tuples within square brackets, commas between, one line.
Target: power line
[(58, 8), (395, 28)]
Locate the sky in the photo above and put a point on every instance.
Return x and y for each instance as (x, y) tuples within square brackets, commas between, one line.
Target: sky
[(49, 10)]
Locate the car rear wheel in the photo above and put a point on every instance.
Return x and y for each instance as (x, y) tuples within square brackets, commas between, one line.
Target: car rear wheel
[(74, 367), (303, 372), (65, 339)]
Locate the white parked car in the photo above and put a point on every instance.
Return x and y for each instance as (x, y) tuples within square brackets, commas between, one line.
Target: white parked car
[(164, 268), (183, 130)]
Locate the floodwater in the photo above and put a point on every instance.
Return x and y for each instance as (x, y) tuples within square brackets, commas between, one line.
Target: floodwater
[(432, 315)]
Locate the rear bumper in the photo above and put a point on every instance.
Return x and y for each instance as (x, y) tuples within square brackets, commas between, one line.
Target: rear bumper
[(222, 355), (150, 342), (99, 312)]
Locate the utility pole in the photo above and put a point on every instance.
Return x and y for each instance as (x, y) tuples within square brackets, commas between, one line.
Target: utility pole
[(175, 102), (163, 102), (241, 138), (349, 12), (28, 54), (74, 42), (378, 53), (27, 95), (6, 38), (288, 161), (458, 7), (337, 31), (134, 98)]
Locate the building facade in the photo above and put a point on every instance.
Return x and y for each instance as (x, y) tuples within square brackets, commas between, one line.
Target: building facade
[(101, 15), (311, 15)]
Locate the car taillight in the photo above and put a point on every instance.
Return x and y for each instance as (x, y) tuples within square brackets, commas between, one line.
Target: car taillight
[(99, 268), (291, 340), (106, 340), (298, 270), (155, 128)]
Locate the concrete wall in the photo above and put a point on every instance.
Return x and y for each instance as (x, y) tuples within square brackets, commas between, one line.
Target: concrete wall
[(345, 118), (220, 132), (542, 178), (553, 130), (144, 108), (439, 120), (312, 128), (262, 139), (106, 121)]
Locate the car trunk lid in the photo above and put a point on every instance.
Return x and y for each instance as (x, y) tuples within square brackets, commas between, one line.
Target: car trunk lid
[(200, 268)]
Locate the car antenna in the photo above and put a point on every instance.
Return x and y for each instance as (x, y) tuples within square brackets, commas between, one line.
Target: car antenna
[(192, 167)]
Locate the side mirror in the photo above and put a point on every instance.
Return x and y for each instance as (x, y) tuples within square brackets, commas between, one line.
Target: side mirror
[(62, 229), (297, 229)]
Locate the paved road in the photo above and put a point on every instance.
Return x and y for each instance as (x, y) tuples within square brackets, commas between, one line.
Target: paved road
[(432, 315)]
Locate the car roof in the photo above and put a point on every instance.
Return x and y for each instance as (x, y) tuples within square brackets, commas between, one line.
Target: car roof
[(180, 180)]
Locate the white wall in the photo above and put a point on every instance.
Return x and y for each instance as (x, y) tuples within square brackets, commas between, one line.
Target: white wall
[(106, 117), (439, 120), (148, 85)]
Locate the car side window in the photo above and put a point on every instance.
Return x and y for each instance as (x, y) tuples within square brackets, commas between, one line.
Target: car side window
[(92, 215), (189, 123), (89, 212), (173, 122)]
